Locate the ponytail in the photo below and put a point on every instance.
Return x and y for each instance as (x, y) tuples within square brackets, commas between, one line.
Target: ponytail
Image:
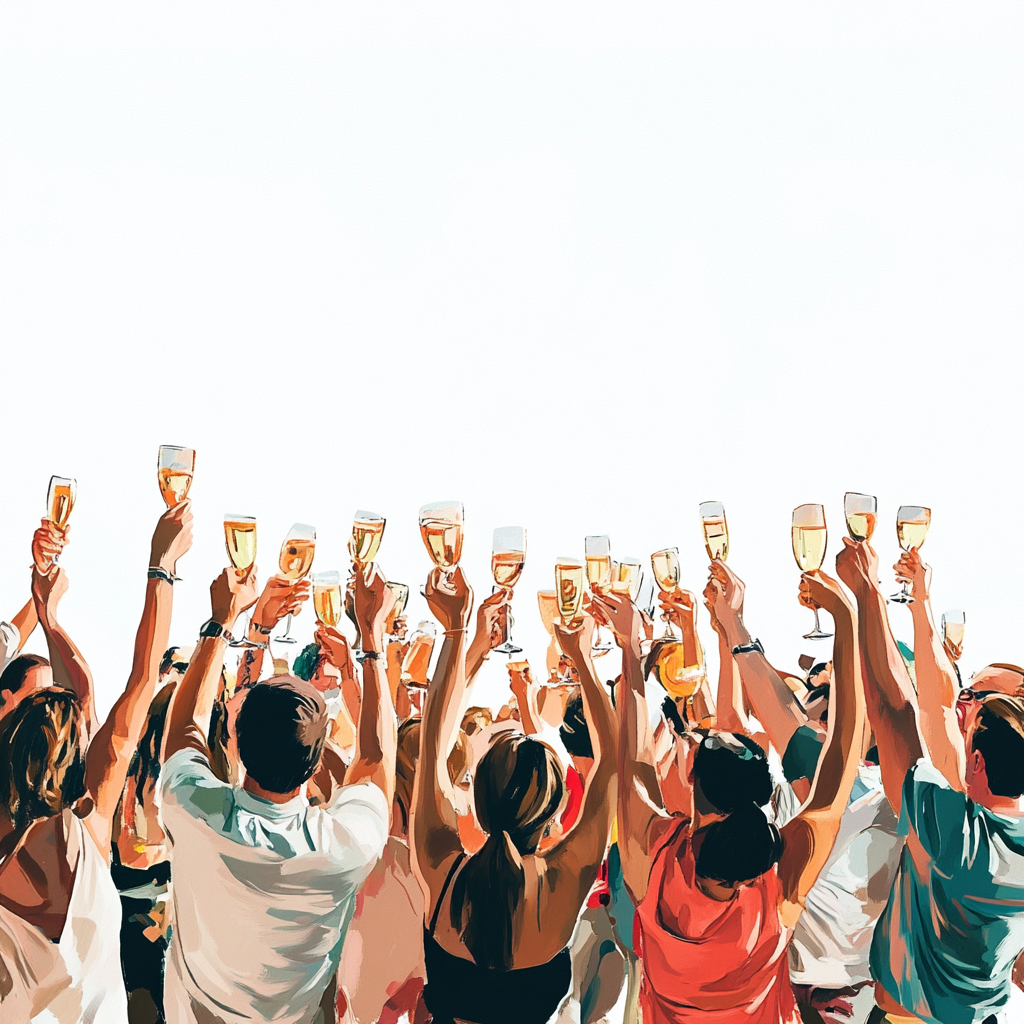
[(743, 846)]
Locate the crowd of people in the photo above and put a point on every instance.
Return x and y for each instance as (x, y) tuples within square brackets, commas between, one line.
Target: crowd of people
[(327, 842)]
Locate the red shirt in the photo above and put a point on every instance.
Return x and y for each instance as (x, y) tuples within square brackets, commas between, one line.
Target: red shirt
[(600, 894)]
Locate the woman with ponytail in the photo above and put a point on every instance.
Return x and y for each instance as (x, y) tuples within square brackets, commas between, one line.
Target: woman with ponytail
[(498, 923), (719, 888)]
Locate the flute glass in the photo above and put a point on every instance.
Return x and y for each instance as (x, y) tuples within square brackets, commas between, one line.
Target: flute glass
[(174, 469), (810, 538), (716, 530), (295, 561), (508, 557), (912, 522)]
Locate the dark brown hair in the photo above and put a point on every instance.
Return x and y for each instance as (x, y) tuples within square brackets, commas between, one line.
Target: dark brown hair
[(405, 766), (518, 787), (13, 677)]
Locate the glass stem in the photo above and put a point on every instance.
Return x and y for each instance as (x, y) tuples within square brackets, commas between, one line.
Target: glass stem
[(817, 624), (288, 626)]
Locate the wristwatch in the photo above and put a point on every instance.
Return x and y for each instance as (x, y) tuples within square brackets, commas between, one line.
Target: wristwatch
[(215, 630), (754, 647)]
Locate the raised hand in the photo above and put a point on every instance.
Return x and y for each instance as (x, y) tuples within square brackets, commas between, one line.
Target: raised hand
[(336, 650), (678, 605), (857, 566), (488, 617), (732, 592), (172, 537), (910, 569), (231, 593), (713, 593), (577, 640), (449, 598), (47, 543), (622, 615), (818, 590), (47, 590), (280, 597), (373, 603)]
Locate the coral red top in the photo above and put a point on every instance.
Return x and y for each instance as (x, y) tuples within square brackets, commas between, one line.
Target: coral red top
[(708, 961), (600, 894)]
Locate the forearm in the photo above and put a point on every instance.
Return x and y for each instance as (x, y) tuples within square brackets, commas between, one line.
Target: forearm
[(188, 718), (250, 667), (599, 715), (70, 669), (529, 716), (692, 650), (377, 732), (636, 759), (475, 657), (25, 622), (730, 716)]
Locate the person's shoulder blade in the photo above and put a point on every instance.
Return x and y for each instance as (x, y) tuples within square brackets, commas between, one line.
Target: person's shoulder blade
[(352, 830), (932, 809), (187, 782)]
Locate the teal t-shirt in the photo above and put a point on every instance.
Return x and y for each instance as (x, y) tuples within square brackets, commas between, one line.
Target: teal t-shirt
[(800, 761), (945, 945)]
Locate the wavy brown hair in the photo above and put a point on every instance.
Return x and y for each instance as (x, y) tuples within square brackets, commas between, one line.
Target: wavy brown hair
[(42, 764), (518, 787)]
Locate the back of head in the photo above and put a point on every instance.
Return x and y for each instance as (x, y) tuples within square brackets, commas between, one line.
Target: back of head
[(738, 848), (518, 788), (42, 764), (999, 738), (282, 726), (731, 772), (12, 679), (406, 757), (574, 731)]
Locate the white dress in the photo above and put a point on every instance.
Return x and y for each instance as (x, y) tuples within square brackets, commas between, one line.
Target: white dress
[(77, 980)]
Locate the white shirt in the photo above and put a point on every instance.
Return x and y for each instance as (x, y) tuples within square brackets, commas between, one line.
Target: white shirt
[(263, 893), (832, 940), (10, 644)]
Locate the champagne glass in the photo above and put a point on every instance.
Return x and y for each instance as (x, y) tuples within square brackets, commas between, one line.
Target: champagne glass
[(627, 578), (508, 556), (327, 600), (953, 628), (810, 537), (716, 530), (174, 468), (598, 552), (367, 531), (441, 529), (912, 522), (240, 540), (294, 562), (547, 603), (665, 566), (416, 662), (60, 500), (569, 590), (861, 510), (401, 592)]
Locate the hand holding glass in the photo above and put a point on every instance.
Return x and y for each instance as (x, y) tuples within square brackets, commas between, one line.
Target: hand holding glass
[(912, 522), (810, 538), (174, 469), (60, 500), (295, 561), (716, 530), (508, 556)]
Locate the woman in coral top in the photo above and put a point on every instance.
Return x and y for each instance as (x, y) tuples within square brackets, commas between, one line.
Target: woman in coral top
[(719, 889)]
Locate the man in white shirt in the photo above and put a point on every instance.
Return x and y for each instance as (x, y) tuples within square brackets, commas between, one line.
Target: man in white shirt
[(264, 884)]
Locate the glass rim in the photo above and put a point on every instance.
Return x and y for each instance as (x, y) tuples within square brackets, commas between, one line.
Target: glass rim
[(566, 562), (300, 531), (912, 513), (711, 508), (175, 448), (664, 551), (363, 516), (630, 560), (955, 611), (328, 577), (859, 494), (62, 479), (229, 518), (805, 518), (431, 509), (392, 585)]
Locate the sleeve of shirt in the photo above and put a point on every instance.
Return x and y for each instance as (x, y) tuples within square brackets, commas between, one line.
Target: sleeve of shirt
[(800, 760), (10, 639), (933, 810), (189, 787), (355, 828)]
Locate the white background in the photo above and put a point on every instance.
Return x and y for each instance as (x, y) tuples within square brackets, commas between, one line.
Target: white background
[(579, 265)]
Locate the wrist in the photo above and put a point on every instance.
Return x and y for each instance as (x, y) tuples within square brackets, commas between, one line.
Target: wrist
[(736, 633)]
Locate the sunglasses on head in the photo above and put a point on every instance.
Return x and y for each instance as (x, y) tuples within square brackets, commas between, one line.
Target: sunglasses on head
[(179, 665), (968, 694)]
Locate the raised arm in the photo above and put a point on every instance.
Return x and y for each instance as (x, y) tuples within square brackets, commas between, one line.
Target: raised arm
[(809, 838), (731, 716), (188, 717), (770, 698), (24, 623), (888, 691), (937, 682), (376, 730), (435, 826), (525, 692), (70, 669), (580, 853), (641, 815), (488, 631), (280, 597), (117, 739)]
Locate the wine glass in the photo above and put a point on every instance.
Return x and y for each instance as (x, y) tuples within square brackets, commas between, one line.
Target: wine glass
[(508, 556), (626, 579), (174, 468), (441, 529), (367, 531), (569, 590), (240, 540), (547, 604), (401, 592), (60, 500), (416, 662), (294, 562), (327, 599), (665, 566), (716, 530), (861, 510), (598, 552), (953, 623), (810, 537), (912, 522)]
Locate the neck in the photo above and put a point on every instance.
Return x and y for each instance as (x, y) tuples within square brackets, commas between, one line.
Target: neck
[(1012, 806), (250, 785)]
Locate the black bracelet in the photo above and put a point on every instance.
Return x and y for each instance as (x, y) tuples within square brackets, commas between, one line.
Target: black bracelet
[(156, 573), (370, 656), (214, 630), (753, 647), (265, 630)]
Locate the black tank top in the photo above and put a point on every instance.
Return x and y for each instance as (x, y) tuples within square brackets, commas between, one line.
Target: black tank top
[(458, 988)]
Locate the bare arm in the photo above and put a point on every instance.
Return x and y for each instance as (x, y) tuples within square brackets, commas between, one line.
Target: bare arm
[(810, 837), (435, 826), (377, 730), (25, 622), (280, 597), (116, 741), (486, 637), (731, 712), (937, 683), (525, 691), (888, 691)]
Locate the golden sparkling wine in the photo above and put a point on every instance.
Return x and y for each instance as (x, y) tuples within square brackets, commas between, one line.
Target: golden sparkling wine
[(401, 592), (174, 485), (62, 501), (809, 546), (628, 578), (569, 589), (547, 602), (672, 671), (954, 633), (240, 538), (665, 565), (716, 538), (507, 567), (296, 557), (416, 663), (327, 603), (861, 525), (912, 533), (365, 540), (599, 571), (443, 540)]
